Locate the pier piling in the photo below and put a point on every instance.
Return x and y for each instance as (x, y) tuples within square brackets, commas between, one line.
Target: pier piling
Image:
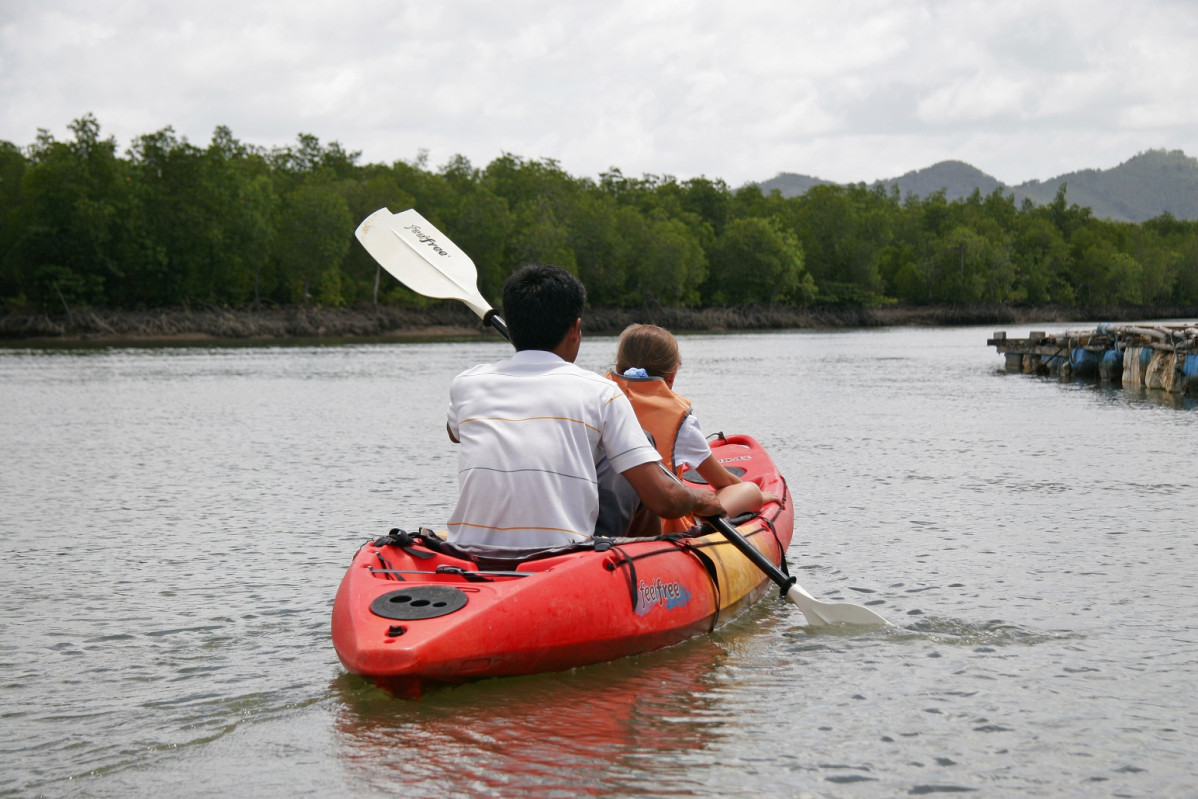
[(1154, 356)]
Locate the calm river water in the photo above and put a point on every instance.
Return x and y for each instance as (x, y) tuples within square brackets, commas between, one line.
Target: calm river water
[(174, 524)]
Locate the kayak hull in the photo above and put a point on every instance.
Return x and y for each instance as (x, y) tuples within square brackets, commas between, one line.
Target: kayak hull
[(409, 618)]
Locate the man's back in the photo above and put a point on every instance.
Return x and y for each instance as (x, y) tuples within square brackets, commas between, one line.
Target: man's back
[(533, 429)]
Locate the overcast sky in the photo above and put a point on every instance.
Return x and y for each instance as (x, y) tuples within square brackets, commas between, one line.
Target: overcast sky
[(845, 90)]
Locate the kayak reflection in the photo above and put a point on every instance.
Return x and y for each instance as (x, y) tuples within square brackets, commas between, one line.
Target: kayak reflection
[(584, 730)]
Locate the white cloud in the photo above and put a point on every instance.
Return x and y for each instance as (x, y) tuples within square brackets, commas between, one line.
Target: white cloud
[(976, 98), (739, 91)]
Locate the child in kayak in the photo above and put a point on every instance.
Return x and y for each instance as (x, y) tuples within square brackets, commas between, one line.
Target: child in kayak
[(647, 361)]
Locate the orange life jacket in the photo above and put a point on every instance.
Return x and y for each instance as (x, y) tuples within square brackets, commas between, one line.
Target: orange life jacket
[(661, 413)]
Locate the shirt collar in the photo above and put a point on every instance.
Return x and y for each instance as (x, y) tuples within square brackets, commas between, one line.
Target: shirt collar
[(537, 356)]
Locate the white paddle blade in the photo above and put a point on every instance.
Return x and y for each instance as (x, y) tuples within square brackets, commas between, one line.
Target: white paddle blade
[(421, 257), (827, 613)]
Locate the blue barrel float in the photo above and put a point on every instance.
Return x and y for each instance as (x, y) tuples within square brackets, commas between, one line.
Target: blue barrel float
[(1190, 370), (1084, 362), (1110, 366)]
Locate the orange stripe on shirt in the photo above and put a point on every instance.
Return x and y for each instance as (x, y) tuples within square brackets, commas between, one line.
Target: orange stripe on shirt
[(527, 419), (520, 527)]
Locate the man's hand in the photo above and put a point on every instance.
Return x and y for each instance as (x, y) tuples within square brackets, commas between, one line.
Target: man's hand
[(706, 503), (663, 494)]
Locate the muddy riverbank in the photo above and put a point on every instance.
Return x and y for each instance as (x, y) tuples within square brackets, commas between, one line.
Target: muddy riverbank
[(449, 320)]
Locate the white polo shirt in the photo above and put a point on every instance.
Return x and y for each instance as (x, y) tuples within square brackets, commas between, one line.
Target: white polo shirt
[(532, 429)]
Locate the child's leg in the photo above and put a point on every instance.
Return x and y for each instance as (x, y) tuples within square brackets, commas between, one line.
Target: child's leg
[(740, 498)]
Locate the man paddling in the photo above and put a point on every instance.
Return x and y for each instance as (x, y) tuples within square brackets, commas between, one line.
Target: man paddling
[(536, 430)]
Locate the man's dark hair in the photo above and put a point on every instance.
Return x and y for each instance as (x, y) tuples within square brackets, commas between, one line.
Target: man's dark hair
[(539, 304)]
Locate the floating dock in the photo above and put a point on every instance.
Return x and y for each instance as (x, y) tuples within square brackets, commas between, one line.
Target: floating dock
[(1153, 356)]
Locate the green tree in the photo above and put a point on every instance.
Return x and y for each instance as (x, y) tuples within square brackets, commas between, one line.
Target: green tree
[(255, 233), (538, 237), (1041, 260), (174, 221), (69, 248), (710, 200), (1186, 283), (844, 231), (668, 264), (1067, 217), (313, 242), (756, 261), (906, 279), (604, 236), (484, 226), (969, 268), (1102, 273), (12, 174)]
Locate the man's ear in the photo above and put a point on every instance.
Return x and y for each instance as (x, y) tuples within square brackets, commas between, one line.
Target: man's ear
[(567, 348), (574, 333)]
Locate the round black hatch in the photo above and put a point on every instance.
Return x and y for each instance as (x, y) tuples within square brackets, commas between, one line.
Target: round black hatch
[(419, 602)]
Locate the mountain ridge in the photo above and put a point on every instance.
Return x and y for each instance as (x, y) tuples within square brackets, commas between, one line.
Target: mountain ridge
[(1151, 183)]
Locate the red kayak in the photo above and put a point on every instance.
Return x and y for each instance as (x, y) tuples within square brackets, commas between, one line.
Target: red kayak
[(412, 613)]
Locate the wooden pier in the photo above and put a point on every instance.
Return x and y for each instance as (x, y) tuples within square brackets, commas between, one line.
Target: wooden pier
[(1153, 356)]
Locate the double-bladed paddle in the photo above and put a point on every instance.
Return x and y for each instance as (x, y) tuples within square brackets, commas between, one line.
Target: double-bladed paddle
[(424, 259)]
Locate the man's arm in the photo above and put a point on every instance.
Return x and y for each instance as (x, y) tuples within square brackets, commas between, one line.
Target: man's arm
[(663, 494)]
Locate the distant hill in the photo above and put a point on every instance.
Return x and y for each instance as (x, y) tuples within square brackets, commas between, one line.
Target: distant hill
[(1141, 188), (957, 178), (791, 185), (1145, 186)]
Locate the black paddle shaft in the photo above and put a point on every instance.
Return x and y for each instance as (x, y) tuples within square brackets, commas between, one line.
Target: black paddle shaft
[(496, 321), (754, 554)]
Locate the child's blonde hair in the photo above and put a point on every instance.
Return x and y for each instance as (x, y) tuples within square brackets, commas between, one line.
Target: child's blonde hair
[(649, 347)]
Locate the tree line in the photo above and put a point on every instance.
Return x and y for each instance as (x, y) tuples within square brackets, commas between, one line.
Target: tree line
[(169, 224)]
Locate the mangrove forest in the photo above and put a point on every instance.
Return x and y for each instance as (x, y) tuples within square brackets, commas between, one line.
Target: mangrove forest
[(170, 224)]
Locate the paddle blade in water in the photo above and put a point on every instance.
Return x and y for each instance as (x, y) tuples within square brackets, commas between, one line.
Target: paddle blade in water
[(826, 613)]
